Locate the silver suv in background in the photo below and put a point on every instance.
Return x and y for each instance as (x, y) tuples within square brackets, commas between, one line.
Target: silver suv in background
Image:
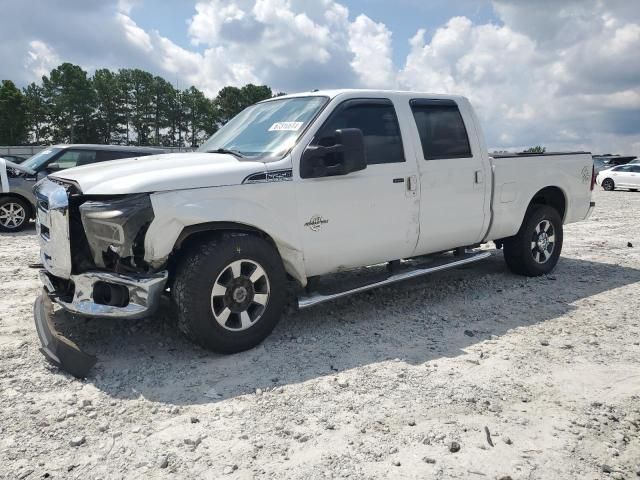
[(17, 202)]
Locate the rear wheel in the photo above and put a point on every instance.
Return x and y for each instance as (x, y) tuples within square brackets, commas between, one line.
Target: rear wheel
[(14, 214), (608, 185), (230, 292), (536, 247)]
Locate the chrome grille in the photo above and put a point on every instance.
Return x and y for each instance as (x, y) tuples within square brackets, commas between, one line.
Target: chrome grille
[(52, 226)]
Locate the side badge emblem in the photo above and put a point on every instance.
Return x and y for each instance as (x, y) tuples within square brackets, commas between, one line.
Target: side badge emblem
[(316, 222)]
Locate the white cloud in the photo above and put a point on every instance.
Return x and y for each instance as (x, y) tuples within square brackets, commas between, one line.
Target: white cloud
[(370, 43), (563, 74), (40, 59), (581, 90)]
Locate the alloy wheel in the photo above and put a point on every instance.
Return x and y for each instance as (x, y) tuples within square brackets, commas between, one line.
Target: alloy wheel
[(12, 215), (543, 241), (240, 295)]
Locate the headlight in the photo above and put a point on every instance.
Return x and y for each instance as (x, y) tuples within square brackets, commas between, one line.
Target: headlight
[(115, 230)]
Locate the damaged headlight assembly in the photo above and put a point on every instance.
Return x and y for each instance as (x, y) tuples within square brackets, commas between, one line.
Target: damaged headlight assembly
[(115, 229)]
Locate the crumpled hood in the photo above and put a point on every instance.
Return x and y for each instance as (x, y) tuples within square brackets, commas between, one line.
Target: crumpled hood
[(155, 173)]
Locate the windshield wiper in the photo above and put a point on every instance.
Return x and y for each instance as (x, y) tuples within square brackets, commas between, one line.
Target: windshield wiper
[(226, 150)]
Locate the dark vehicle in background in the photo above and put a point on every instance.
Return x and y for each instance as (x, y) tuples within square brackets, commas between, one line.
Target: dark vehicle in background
[(17, 202), (604, 162), (13, 158)]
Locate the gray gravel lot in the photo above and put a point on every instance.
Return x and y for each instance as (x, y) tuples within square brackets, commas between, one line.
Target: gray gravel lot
[(470, 373)]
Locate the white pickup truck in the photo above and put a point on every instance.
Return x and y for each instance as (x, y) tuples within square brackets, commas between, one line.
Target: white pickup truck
[(288, 194)]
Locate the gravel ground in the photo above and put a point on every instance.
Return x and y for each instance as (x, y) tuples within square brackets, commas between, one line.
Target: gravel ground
[(470, 373)]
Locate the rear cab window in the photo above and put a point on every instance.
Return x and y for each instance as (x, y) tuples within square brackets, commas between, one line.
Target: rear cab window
[(377, 120), (442, 131)]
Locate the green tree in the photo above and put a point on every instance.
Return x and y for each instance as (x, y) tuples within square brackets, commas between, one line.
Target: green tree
[(251, 94), (71, 100), (13, 123), (199, 114), (162, 102), (232, 100), (141, 96), (110, 114), (536, 149), (36, 111)]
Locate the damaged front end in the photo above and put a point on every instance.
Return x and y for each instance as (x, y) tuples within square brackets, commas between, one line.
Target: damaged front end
[(92, 250), (114, 229)]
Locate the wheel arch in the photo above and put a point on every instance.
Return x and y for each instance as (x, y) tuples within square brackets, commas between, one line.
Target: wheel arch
[(203, 231), (30, 209), (552, 196)]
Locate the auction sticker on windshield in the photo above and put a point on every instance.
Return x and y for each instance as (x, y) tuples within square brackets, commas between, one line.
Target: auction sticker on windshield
[(286, 126)]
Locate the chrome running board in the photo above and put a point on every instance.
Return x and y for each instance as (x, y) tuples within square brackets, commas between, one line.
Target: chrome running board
[(315, 298)]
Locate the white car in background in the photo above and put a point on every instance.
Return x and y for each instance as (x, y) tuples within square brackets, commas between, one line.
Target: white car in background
[(622, 176)]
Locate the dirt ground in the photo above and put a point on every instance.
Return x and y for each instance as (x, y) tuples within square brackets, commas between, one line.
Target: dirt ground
[(473, 373)]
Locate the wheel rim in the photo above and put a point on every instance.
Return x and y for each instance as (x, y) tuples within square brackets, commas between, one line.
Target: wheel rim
[(12, 215), (543, 241), (240, 295), (608, 184)]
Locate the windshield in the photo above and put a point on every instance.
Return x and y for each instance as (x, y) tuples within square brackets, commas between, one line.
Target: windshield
[(267, 129), (40, 159)]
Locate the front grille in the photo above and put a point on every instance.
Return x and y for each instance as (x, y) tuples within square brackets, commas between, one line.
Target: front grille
[(52, 225)]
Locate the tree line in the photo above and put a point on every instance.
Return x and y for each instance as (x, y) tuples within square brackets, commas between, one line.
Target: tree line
[(130, 106)]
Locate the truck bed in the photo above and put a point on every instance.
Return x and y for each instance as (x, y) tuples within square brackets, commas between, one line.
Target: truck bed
[(517, 178)]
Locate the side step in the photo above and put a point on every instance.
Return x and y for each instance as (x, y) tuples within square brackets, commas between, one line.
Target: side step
[(445, 263)]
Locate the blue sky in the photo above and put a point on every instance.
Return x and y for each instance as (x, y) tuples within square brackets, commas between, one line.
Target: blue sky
[(558, 73)]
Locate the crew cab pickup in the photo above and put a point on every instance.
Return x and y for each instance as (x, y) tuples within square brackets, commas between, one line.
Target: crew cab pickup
[(281, 201)]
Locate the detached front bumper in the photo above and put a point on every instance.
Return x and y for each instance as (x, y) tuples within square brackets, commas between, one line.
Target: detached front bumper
[(133, 297), (108, 295), (60, 351)]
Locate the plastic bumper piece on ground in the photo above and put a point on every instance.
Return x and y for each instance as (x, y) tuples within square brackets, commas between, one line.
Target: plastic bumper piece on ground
[(60, 351)]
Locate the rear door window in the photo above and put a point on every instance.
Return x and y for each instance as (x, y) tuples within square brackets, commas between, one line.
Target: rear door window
[(441, 128), (105, 155), (76, 158)]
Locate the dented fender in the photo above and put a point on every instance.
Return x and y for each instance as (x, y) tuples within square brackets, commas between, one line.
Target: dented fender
[(264, 207)]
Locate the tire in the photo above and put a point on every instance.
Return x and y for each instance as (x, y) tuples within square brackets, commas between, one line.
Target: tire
[(241, 310), (535, 249), (608, 185), (14, 214)]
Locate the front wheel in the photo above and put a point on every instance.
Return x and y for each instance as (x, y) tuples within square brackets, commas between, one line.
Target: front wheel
[(230, 292), (14, 214), (608, 185), (536, 247)]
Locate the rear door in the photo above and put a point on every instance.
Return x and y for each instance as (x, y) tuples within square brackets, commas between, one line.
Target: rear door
[(634, 181), (453, 190), (367, 216)]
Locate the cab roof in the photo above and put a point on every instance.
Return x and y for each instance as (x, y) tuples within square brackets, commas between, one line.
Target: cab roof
[(371, 93)]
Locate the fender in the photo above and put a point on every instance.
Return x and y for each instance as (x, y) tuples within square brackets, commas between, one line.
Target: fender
[(259, 206)]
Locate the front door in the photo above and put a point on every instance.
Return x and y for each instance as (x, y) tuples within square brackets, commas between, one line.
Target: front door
[(364, 217), (453, 178)]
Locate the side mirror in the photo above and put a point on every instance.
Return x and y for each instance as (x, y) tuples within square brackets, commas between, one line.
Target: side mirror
[(346, 156), (53, 167)]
